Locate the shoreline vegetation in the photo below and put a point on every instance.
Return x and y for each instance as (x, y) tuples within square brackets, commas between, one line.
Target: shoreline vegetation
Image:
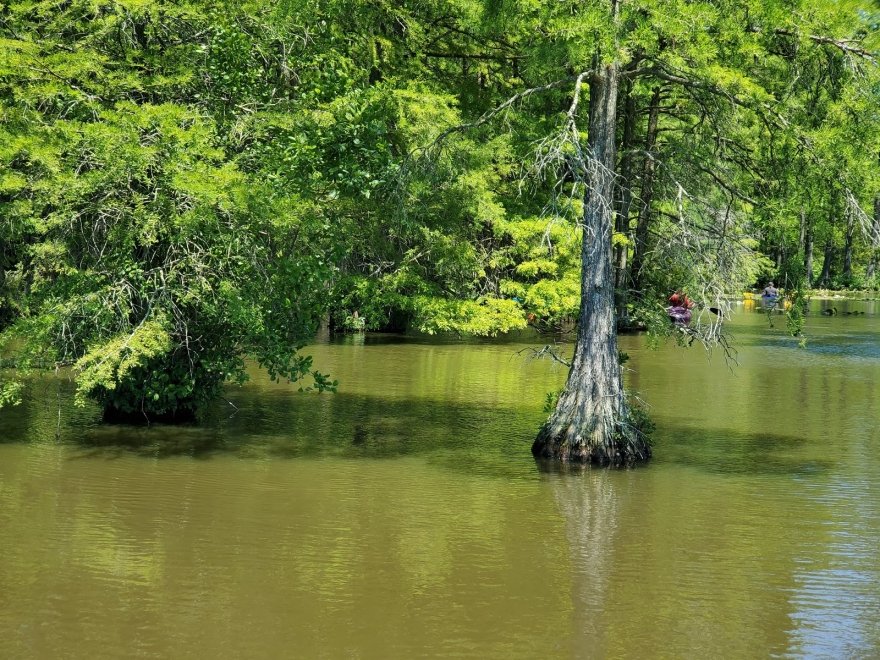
[(8, 362)]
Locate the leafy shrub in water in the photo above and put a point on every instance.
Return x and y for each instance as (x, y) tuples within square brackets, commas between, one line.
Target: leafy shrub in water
[(155, 267)]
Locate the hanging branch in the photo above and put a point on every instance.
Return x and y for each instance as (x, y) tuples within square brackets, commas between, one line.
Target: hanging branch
[(854, 211), (773, 118)]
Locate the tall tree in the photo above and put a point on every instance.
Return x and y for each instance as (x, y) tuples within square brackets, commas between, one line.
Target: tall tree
[(592, 420)]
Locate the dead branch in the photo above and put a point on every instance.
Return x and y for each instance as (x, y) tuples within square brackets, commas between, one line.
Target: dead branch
[(855, 212), (547, 351)]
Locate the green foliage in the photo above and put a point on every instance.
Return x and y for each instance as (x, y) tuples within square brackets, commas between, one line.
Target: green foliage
[(540, 262), (154, 264), (10, 392), (114, 362), (796, 296), (550, 400), (638, 422), (484, 316)]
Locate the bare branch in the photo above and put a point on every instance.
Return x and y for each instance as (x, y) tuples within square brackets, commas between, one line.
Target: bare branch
[(848, 46), (491, 114), (547, 351), (854, 211)]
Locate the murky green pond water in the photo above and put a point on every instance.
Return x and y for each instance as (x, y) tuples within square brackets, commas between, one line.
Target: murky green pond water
[(404, 516)]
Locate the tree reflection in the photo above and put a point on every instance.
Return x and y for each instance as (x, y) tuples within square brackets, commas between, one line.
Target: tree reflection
[(590, 502)]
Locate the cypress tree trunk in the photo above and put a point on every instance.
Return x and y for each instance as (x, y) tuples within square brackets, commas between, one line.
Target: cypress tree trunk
[(808, 259), (825, 277), (807, 249), (848, 251), (641, 242), (591, 422), (828, 261), (875, 239)]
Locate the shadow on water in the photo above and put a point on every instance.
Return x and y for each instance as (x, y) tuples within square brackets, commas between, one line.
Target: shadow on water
[(850, 345), (736, 453), (492, 439), (46, 412), (489, 439), (347, 426), (529, 336), (714, 452)]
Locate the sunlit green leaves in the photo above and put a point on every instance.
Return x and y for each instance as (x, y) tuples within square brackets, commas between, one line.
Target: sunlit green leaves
[(231, 171), (152, 262)]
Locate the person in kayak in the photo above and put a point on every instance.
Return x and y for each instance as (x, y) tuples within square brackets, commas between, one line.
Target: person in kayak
[(679, 309), (770, 295), (770, 291)]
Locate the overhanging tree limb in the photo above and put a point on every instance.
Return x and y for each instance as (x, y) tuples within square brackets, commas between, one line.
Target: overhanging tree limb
[(497, 110), (847, 46)]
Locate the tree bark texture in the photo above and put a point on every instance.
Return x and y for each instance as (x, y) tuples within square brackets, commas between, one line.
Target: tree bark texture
[(828, 260), (848, 250), (875, 240), (825, 277), (591, 419), (806, 246), (640, 246)]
